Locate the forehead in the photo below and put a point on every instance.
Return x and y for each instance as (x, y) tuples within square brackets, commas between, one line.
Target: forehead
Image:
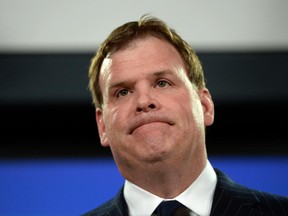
[(139, 57)]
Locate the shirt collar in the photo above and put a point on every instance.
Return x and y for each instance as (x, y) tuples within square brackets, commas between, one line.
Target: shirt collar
[(198, 196)]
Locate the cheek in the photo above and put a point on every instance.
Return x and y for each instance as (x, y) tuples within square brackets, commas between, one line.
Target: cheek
[(115, 120), (111, 118), (191, 111)]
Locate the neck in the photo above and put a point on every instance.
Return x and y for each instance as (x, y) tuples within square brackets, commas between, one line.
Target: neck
[(166, 179)]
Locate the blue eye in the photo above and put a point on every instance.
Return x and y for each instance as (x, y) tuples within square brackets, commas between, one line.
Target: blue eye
[(123, 92), (162, 83)]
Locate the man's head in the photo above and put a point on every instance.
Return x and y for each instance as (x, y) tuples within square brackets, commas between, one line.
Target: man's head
[(151, 102), (131, 31)]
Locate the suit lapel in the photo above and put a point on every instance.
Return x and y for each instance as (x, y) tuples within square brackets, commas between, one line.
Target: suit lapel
[(233, 199), (118, 205)]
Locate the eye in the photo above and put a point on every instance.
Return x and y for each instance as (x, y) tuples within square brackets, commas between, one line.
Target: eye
[(162, 83), (122, 92)]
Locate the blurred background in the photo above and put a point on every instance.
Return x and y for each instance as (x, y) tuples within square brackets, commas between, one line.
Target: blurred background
[(51, 162)]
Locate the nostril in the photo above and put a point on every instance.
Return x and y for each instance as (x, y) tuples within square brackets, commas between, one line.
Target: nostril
[(145, 108), (152, 106)]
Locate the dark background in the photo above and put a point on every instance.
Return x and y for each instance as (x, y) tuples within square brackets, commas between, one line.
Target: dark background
[(46, 110)]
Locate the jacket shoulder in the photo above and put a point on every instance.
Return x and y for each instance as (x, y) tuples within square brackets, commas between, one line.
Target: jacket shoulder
[(102, 209), (115, 206), (229, 191), (271, 202)]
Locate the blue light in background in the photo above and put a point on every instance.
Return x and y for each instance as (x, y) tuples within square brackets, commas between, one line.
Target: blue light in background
[(36, 187)]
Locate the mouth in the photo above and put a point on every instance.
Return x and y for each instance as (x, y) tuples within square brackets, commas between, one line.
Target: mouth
[(139, 122)]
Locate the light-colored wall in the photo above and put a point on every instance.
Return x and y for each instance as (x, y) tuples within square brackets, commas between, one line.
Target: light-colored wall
[(80, 25)]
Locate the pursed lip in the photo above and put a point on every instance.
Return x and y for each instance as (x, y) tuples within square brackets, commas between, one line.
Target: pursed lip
[(147, 119)]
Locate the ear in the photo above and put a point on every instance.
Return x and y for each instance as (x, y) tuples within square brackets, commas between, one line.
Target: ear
[(101, 127), (207, 106)]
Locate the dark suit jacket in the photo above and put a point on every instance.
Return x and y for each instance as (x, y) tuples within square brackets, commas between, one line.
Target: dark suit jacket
[(230, 199)]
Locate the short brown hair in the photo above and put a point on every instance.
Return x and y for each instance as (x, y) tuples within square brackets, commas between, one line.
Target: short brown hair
[(128, 32)]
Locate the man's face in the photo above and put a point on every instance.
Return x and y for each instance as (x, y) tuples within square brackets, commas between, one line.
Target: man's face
[(151, 112)]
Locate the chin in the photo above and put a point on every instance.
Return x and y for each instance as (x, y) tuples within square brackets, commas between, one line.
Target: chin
[(155, 156)]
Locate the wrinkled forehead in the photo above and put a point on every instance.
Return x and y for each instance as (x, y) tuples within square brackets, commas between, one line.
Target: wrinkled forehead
[(142, 55), (107, 61)]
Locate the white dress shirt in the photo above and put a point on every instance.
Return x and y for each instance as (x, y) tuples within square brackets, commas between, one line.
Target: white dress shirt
[(197, 197)]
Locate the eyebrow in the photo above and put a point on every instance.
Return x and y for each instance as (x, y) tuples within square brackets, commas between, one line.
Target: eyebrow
[(121, 84), (131, 83), (162, 73)]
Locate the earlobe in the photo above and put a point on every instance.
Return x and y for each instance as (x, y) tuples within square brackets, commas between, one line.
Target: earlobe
[(101, 127), (207, 105)]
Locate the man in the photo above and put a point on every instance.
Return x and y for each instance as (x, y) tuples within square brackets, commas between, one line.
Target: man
[(152, 107)]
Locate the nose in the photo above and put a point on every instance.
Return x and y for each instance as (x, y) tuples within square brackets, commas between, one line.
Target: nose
[(146, 102)]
